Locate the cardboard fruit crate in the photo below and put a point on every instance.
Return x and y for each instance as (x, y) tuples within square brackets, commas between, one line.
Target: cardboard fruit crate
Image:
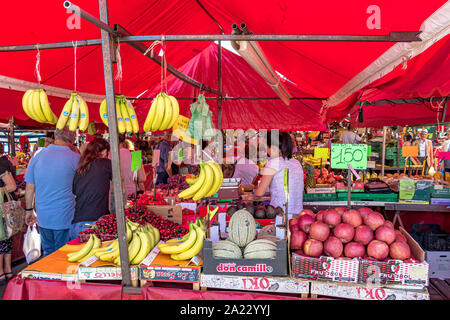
[(246, 267), (440, 191), (382, 197), (397, 273), (171, 213), (312, 197)]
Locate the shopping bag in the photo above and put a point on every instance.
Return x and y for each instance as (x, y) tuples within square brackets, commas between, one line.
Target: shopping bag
[(200, 126), (32, 244), (13, 214)]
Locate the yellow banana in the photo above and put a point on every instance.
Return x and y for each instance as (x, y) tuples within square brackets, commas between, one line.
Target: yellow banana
[(133, 247), (43, 100), (173, 248), (120, 121), (192, 251), (146, 246), (65, 113), (156, 233), (84, 251), (36, 105), (125, 115), (109, 256), (159, 112), (104, 112), (218, 178), (192, 190), (132, 114), (97, 244), (207, 184), (84, 115), (25, 105), (150, 116), (74, 113), (175, 111), (108, 249), (177, 240), (167, 112)]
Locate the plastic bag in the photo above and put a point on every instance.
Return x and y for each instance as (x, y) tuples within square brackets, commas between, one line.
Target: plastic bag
[(32, 244), (200, 126), (431, 172)]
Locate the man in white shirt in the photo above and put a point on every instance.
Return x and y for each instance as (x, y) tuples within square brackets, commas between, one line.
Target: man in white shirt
[(425, 149), (349, 137)]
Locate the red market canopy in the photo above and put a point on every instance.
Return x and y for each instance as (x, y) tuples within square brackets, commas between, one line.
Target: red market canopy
[(319, 69)]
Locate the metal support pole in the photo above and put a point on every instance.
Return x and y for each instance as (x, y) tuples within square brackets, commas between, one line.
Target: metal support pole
[(114, 141), (219, 81), (89, 17), (12, 145), (383, 152)]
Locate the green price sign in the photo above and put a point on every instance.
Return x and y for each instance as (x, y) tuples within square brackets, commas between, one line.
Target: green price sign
[(343, 155), (136, 160)]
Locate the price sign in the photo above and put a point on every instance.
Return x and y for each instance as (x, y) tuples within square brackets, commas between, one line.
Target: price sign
[(444, 156), (323, 153), (410, 151), (136, 160), (343, 155)]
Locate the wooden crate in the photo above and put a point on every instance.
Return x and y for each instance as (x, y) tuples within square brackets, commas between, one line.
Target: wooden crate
[(439, 289)]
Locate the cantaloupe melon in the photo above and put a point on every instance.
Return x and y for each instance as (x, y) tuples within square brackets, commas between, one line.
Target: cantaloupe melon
[(261, 249), (242, 228), (226, 249)]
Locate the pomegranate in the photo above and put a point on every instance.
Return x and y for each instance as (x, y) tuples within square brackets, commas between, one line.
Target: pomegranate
[(307, 211), (354, 250), (399, 250), (389, 224), (332, 218), (340, 210), (364, 211), (333, 247), (386, 234), (298, 238), (319, 215), (352, 217), (313, 248), (399, 236), (319, 231), (344, 232), (363, 234), (305, 222), (378, 249), (374, 220)]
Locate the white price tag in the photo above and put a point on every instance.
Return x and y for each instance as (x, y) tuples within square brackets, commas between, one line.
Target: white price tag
[(151, 256), (88, 262), (196, 260)]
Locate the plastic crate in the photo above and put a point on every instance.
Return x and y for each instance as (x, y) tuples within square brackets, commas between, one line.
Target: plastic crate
[(381, 197), (431, 237), (312, 197)]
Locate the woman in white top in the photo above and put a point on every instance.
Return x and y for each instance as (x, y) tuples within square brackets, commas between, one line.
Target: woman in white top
[(280, 153)]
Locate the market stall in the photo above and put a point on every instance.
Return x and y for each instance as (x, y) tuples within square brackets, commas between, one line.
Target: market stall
[(205, 231)]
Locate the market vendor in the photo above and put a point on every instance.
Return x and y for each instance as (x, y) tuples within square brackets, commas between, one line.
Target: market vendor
[(280, 153), (349, 137), (425, 149), (244, 167), (162, 174)]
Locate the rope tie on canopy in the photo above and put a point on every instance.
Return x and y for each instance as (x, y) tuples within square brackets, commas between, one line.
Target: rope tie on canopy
[(163, 62), (37, 69), (75, 45), (119, 73)]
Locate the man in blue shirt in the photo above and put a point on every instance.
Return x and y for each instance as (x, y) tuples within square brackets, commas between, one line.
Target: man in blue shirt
[(49, 180), (161, 170)]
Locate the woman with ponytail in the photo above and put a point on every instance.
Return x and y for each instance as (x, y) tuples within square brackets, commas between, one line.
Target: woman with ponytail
[(91, 185), (279, 148)]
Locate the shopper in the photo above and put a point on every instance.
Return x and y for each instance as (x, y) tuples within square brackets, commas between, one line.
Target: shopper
[(91, 185), (164, 148), (425, 150), (244, 167), (49, 179), (280, 153), (349, 137), (7, 184)]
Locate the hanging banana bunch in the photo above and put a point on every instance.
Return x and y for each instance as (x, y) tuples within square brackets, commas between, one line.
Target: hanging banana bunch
[(75, 114), (36, 106), (163, 113), (126, 116)]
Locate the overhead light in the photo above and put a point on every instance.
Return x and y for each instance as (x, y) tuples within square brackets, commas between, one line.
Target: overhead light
[(253, 54)]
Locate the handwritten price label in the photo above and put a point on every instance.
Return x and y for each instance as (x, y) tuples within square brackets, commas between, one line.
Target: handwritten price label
[(323, 153), (343, 155)]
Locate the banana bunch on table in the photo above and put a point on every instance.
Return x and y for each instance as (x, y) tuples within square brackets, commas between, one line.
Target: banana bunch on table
[(75, 114), (127, 121), (36, 106), (206, 184)]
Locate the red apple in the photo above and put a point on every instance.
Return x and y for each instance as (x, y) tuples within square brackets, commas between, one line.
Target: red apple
[(298, 238), (331, 217), (313, 248), (399, 236), (354, 250), (340, 210), (374, 220), (319, 231), (344, 232), (307, 211), (352, 217), (333, 247), (363, 234), (389, 224), (399, 250), (385, 233), (378, 250), (305, 221), (319, 215), (364, 211)]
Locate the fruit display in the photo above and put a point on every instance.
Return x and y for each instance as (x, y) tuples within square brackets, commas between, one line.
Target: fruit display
[(141, 240), (242, 228), (258, 211), (163, 113), (75, 114), (175, 184), (226, 249), (314, 177), (36, 106), (106, 227), (127, 121), (150, 199), (342, 233), (208, 182), (187, 247)]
